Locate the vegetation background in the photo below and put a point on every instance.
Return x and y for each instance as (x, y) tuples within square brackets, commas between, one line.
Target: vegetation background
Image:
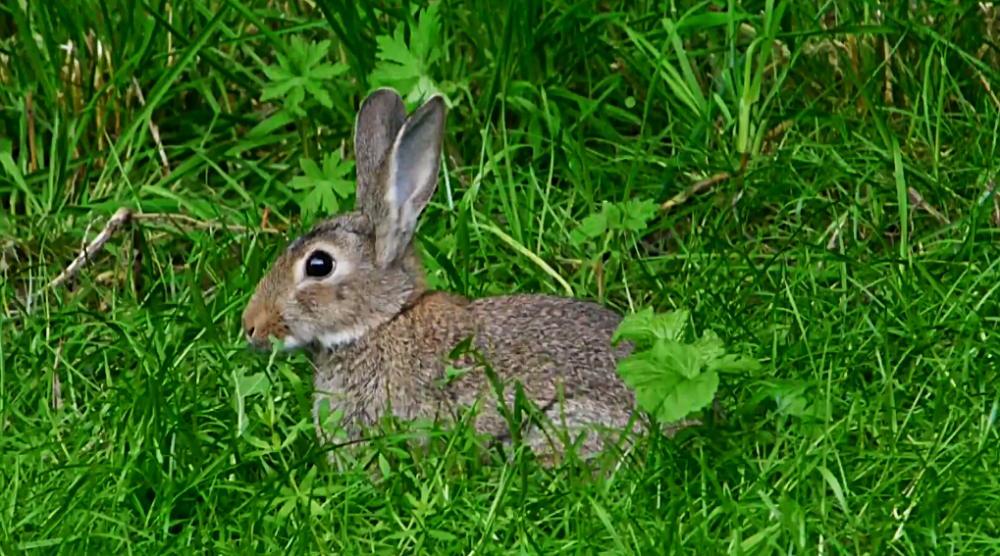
[(813, 180)]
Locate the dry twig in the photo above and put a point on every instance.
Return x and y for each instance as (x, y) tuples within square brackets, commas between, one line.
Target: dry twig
[(991, 191), (683, 196), (918, 202), (29, 107), (57, 402), (834, 243), (120, 218), (263, 219), (153, 128), (181, 219)]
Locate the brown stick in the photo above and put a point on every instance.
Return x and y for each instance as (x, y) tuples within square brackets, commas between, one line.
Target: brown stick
[(982, 78), (199, 224), (887, 54), (683, 196), (153, 128), (834, 242), (918, 202), (30, 109), (120, 218), (263, 219), (57, 402)]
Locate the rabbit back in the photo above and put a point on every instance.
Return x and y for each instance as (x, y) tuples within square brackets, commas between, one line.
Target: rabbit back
[(560, 350)]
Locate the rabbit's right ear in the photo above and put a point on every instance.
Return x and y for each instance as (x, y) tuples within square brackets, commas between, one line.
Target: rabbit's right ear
[(381, 116), (414, 164)]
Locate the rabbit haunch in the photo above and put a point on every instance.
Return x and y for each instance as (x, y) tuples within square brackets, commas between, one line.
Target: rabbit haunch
[(379, 338)]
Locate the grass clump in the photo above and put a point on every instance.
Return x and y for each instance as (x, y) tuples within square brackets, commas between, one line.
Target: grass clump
[(814, 181)]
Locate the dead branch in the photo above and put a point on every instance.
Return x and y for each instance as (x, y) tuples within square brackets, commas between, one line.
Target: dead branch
[(703, 185), (918, 202), (153, 128), (180, 220), (263, 219), (32, 147), (834, 243), (57, 402), (120, 218)]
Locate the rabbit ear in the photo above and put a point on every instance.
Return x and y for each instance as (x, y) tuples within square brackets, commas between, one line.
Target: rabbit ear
[(380, 118), (413, 167)]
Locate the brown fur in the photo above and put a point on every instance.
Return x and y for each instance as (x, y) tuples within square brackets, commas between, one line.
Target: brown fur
[(379, 338)]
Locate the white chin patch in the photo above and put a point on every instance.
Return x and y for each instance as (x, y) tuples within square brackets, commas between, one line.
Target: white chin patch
[(340, 338), (291, 343)]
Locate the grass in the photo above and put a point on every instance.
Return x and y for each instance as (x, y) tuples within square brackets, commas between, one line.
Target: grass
[(851, 248)]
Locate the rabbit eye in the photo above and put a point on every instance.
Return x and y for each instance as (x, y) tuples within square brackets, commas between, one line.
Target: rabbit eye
[(319, 264)]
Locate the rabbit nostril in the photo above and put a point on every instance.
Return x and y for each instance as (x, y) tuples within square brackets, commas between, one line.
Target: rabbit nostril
[(250, 332)]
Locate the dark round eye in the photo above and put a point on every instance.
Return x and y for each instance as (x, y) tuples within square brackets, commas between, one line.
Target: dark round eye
[(319, 264)]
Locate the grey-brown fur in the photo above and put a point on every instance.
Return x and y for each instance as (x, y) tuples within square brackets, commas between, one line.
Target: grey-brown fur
[(379, 338)]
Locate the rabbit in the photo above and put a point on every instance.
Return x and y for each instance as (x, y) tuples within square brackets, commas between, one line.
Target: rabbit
[(352, 292)]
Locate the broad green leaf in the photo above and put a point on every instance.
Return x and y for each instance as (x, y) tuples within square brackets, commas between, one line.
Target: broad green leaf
[(638, 213), (335, 167), (273, 123), (329, 72), (324, 184), (594, 225), (406, 67), (383, 466), (646, 326), (792, 403), (734, 363), (306, 485), (670, 377), (310, 169), (684, 359), (664, 392), (321, 199), (252, 385), (396, 65), (710, 345), (319, 94), (255, 384), (276, 73), (614, 216), (428, 36), (304, 70)]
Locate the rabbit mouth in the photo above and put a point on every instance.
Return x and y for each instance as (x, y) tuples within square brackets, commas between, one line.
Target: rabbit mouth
[(288, 343)]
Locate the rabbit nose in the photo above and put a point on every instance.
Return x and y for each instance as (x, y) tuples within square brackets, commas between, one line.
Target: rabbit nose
[(250, 324), (250, 327)]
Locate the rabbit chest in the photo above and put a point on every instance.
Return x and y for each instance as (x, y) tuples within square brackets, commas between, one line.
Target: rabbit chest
[(397, 367)]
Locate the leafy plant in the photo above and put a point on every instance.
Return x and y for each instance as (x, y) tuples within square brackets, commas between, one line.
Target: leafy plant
[(631, 216), (407, 67), (672, 378), (304, 70), (604, 235), (324, 184), (256, 384)]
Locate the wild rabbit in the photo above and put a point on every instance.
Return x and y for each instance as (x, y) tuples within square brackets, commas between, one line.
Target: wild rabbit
[(352, 291)]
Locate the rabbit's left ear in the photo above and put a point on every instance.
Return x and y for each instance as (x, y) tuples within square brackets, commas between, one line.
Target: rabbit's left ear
[(381, 116), (413, 167)]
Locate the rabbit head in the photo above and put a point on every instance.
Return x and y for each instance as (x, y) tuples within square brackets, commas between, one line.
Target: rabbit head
[(353, 272)]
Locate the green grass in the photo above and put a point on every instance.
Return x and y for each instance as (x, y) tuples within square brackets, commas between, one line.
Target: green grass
[(870, 429)]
